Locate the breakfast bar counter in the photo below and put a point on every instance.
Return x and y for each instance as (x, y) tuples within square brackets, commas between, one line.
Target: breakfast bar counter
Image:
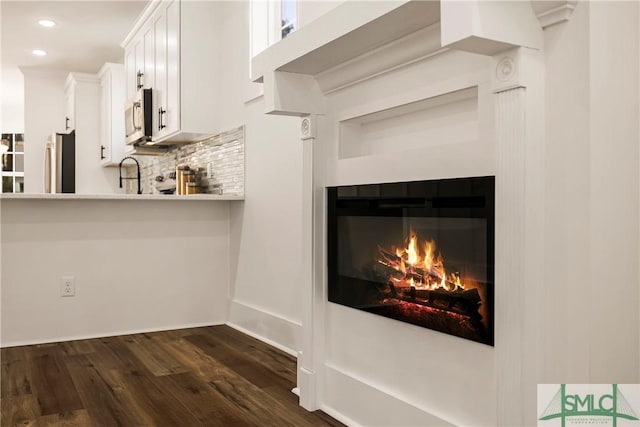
[(66, 196)]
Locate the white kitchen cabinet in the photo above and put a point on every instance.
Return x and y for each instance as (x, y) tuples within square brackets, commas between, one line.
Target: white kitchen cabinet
[(130, 72), (112, 99), (148, 77), (69, 119), (172, 91), (83, 102), (138, 62), (159, 21), (184, 64)]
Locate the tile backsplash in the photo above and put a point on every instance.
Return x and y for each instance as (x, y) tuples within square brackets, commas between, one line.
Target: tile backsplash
[(219, 162)]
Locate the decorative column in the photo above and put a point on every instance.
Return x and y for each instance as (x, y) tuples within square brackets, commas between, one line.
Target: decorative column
[(310, 358), (518, 89)]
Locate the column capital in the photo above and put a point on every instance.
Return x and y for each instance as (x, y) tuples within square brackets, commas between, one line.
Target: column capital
[(308, 127), (514, 68)]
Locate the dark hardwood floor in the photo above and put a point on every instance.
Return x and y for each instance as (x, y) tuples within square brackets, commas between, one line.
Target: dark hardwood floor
[(213, 376)]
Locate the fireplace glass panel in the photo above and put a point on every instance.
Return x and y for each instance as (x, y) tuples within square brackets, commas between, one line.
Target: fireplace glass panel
[(419, 252)]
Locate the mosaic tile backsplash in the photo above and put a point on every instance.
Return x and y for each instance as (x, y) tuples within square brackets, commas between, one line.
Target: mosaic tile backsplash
[(218, 162)]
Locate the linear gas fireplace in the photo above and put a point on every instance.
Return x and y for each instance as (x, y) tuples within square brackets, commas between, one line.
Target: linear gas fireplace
[(420, 252)]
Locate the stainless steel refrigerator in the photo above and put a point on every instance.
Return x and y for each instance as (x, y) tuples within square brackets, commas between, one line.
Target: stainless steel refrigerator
[(60, 163)]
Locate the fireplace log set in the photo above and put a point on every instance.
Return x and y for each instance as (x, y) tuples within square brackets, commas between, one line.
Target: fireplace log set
[(461, 301)]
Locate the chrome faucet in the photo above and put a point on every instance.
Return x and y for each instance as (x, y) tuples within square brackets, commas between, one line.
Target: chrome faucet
[(137, 166)]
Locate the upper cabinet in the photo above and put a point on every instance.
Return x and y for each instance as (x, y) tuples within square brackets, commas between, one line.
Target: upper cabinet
[(84, 92), (70, 113), (169, 51), (139, 57), (112, 96)]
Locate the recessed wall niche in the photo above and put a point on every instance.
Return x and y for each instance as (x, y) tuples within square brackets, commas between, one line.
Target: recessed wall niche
[(441, 120)]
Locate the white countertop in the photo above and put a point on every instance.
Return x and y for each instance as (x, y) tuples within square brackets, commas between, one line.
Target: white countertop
[(43, 196)]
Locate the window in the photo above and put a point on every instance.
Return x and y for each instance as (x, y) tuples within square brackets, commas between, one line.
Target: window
[(12, 164), (288, 17), (271, 21)]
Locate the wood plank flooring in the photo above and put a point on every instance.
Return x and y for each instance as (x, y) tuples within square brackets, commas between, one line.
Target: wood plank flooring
[(213, 376)]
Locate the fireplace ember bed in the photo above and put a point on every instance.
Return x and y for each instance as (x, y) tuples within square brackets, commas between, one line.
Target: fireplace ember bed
[(421, 252)]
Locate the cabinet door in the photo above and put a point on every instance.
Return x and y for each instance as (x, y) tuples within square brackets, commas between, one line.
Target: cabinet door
[(130, 70), (173, 67), (139, 54), (70, 111), (104, 149), (160, 68), (148, 80), (112, 99)]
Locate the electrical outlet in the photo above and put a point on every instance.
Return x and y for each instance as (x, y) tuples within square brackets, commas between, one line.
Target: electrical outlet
[(68, 286)]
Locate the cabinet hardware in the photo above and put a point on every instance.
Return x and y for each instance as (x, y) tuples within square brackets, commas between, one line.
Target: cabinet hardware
[(139, 75), (66, 123), (102, 157), (161, 112), (137, 106)]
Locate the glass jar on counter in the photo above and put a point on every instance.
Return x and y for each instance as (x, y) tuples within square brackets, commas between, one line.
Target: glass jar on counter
[(192, 188), (180, 179), (188, 177)]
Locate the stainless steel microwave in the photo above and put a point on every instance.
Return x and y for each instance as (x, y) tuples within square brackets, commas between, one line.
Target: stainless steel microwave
[(137, 117)]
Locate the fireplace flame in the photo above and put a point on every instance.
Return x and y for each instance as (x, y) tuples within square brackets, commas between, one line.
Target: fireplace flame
[(421, 269), (412, 252)]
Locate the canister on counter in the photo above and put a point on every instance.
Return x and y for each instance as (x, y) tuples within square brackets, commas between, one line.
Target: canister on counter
[(188, 176), (193, 188), (180, 171)]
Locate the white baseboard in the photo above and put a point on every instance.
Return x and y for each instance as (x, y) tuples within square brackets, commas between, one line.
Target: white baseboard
[(108, 334), (339, 416), (275, 330), (357, 402), (263, 339)]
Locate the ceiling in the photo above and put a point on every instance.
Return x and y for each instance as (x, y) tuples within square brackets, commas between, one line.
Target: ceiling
[(87, 34)]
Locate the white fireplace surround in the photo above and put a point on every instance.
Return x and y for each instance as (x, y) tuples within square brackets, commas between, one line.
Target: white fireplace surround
[(413, 70)]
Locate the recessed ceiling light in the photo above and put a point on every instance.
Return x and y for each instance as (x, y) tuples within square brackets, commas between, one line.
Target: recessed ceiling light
[(38, 52), (46, 23)]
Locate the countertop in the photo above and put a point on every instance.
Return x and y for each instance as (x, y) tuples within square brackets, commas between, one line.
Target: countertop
[(43, 196)]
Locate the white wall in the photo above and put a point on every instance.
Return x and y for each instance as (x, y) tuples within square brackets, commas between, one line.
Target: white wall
[(12, 101), (44, 112), (567, 216), (567, 181), (592, 198), (308, 11), (265, 229), (138, 266), (233, 65), (613, 199)]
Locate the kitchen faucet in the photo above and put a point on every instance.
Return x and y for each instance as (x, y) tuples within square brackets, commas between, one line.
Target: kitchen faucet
[(137, 166)]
